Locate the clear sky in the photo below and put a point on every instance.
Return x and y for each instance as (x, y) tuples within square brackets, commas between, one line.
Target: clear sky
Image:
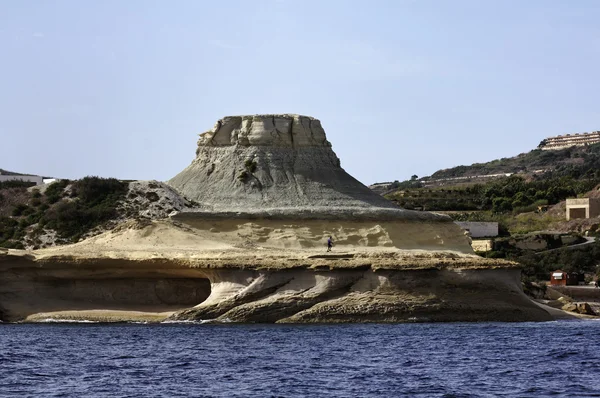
[(122, 88)]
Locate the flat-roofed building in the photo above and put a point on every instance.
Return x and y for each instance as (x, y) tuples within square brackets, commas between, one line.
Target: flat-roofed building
[(583, 208), (569, 140), (27, 178)]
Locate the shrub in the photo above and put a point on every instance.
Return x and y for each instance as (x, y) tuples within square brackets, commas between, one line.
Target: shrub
[(93, 191), (243, 177), (35, 202), (95, 201), (250, 165), (55, 191), (19, 209), (16, 184)]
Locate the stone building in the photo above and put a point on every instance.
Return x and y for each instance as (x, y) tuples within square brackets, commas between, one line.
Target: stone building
[(583, 208)]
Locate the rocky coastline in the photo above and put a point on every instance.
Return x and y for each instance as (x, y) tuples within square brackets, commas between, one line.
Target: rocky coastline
[(247, 244)]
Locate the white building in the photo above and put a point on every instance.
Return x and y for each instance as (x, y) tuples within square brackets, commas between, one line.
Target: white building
[(38, 180)]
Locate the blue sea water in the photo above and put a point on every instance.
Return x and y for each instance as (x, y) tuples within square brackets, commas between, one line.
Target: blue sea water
[(416, 360)]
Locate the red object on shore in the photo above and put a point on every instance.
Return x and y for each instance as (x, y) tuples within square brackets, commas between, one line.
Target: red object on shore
[(559, 278)]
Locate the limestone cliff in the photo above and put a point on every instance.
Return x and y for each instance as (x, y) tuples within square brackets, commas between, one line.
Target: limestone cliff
[(266, 192), (271, 162), (159, 270)]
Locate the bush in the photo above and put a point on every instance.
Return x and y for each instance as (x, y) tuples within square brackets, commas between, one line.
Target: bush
[(250, 165), (55, 191), (16, 184), (95, 201), (243, 177), (35, 202), (19, 209), (583, 259), (93, 191)]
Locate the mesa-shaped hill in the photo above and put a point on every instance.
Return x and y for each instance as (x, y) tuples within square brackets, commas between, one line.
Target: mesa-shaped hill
[(267, 191), (277, 163)]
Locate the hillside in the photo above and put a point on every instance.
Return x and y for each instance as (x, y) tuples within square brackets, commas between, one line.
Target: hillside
[(10, 173), (68, 211), (524, 194), (582, 161), (578, 162), (514, 191)]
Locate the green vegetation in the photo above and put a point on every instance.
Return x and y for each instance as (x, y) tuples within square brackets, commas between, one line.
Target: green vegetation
[(575, 162), (545, 178), (94, 202), (512, 194), (519, 202), (71, 208), (243, 177), (55, 191), (580, 260), (406, 184), (250, 167), (16, 184), (538, 266)]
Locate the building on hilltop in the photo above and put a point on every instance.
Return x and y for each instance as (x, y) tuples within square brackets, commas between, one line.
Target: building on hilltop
[(569, 140), (37, 180)]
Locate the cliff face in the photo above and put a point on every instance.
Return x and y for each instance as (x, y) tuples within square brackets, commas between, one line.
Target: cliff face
[(241, 286), (365, 295)]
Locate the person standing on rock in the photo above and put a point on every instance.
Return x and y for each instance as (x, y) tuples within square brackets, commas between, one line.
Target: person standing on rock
[(329, 244)]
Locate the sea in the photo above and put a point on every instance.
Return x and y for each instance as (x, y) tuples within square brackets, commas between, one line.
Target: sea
[(558, 359)]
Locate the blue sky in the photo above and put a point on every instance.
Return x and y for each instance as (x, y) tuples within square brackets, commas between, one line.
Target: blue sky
[(122, 88)]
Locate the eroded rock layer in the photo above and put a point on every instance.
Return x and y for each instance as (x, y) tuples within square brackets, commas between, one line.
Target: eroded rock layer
[(365, 295), (271, 162), (279, 287)]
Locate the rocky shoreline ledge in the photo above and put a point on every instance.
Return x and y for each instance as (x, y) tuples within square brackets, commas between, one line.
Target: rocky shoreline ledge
[(115, 277)]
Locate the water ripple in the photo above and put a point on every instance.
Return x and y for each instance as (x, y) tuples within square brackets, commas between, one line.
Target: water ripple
[(183, 359)]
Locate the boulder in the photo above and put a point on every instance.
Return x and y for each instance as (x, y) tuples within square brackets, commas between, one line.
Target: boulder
[(580, 308), (585, 308)]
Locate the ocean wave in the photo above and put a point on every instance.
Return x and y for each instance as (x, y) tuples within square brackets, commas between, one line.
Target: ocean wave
[(180, 322), (54, 320)]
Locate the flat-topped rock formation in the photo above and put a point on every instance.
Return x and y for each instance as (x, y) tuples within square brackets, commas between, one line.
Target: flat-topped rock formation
[(272, 163), (266, 191)]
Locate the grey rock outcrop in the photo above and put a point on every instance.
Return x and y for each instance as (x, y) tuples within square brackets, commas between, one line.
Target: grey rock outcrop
[(277, 163)]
